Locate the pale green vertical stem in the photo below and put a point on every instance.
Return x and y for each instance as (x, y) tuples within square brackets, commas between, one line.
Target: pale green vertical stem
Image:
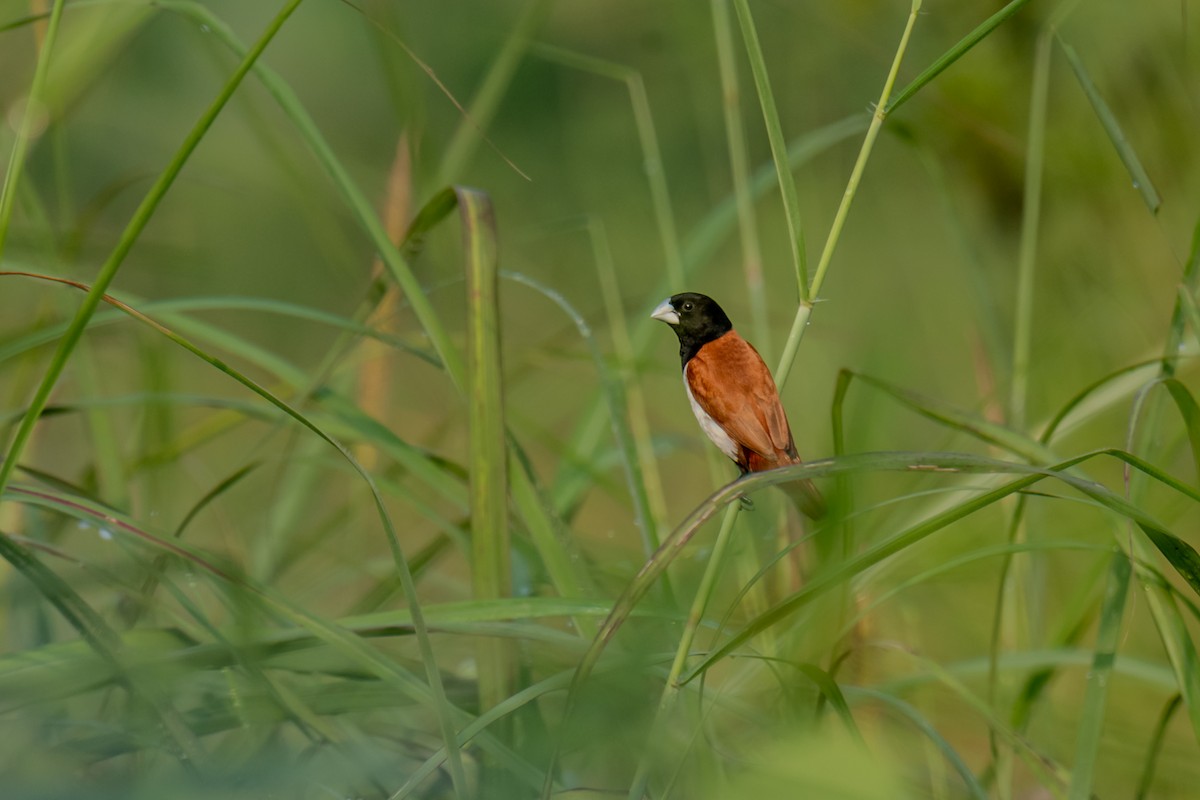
[(128, 238), (487, 99), (25, 129), (699, 604), (660, 195), (804, 312), (490, 566), (787, 186), (1091, 723), (740, 172), (1031, 218), (653, 497)]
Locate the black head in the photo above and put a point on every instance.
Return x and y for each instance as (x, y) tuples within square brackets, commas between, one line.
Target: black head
[(696, 320)]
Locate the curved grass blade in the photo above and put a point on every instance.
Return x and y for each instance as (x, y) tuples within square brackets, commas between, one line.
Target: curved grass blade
[(107, 644), (131, 612), (359, 204), (439, 701), (999, 435), (1179, 554), (171, 311), (347, 642), (129, 237), (974, 788)]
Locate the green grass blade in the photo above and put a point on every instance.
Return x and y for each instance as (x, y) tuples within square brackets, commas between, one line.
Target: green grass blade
[(974, 788), (439, 701), (804, 311), (945, 414), (643, 117), (1146, 782), (1031, 216), (105, 642), (646, 482), (1185, 303), (1190, 411), (787, 186), (739, 169), (1091, 722), (484, 104), (705, 239), (832, 693), (955, 53), (1129, 156), (129, 237), (1182, 556), (25, 130), (491, 569), (361, 207)]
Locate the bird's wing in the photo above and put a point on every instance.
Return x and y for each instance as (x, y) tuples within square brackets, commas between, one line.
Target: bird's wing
[(729, 380)]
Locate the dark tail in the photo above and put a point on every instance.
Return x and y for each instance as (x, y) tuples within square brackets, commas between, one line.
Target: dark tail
[(806, 498)]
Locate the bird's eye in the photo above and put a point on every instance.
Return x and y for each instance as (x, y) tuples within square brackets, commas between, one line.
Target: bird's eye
[(687, 306)]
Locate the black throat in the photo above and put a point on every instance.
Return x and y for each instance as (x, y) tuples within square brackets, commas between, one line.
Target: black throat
[(693, 337)]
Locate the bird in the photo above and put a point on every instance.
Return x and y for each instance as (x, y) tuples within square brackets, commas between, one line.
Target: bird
[(733, 395)]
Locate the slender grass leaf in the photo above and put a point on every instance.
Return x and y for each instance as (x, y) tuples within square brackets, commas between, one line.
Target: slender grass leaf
[(1129, 156), (1155, 747), (361, 207), (787, 186), (974, 788), (438, 696), (813, 291), (1190, 411), (182, 742), (1091, 721), (656, 177), (952, 55), (129, 237)]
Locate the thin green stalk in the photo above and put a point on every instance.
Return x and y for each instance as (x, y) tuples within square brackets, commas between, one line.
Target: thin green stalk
[(1091, 722), (491, 568), (1031, 217), (660, 194), (25, 132), (362, 208), (739, 169), (649, 494), (699, 603), (787, 186), (128, 238), (804, 312)]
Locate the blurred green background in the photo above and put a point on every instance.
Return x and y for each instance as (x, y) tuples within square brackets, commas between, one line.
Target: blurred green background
[(922, 293)]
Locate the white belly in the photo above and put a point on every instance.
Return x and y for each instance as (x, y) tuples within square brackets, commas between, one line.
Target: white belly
[(714, 431)]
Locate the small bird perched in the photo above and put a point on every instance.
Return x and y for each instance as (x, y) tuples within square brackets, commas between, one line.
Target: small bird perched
[(733, 394)]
